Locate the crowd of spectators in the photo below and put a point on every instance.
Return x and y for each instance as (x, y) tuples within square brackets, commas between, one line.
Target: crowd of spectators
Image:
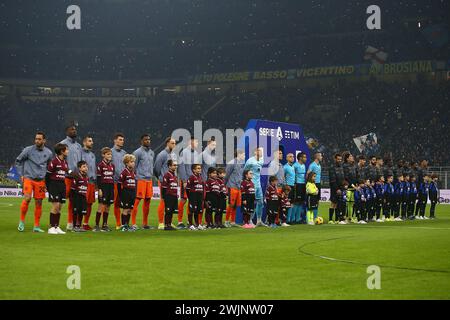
[(179, 62), (171, 39)]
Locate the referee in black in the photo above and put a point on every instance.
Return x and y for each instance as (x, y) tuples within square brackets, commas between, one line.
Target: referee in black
[(336, 176)]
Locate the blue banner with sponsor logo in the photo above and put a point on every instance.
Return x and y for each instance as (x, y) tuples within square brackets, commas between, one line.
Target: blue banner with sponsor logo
[(272, 136), (13, 174)]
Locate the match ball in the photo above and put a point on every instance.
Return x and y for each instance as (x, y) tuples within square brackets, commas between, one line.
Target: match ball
[(319, 220)]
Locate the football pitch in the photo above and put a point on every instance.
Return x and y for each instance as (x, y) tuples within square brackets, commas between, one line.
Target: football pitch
[(299, 262)]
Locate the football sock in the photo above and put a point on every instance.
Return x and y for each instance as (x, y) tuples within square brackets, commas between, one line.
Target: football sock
[(196, 216), (228, 214), (98, 215), (303, 210), (190, 218), (289, 215), (271, 218), (105, 218), (135, 210), (161, 212), (70, 211), (79, 220), (37, 214), (218, 218), (168, 219), (259, 209), (297, 213), (52, 219), (208, 217), (350, 209), (88, 214), (233, 215), (58, 218), (330, 214), (181, 210), (117, 212), (315, 212), (23, 210), (145, 211)]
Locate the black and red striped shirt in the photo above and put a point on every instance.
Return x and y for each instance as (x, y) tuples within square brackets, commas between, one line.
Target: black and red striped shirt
[(247, 187), (271, 193), (105, 172), (127, 179), (170, 184), (223, 187), (212, 186), (285, 202), (80, 184), (57, 169), (195, 184)]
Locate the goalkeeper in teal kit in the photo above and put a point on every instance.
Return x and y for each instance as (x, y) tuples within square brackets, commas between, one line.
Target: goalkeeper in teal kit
[(255, 164)]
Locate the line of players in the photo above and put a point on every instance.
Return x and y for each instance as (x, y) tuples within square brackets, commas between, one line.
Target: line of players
[(380, 191), (124, 180)]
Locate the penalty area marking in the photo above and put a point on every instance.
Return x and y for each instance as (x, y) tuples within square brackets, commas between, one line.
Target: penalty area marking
[(302, 250)]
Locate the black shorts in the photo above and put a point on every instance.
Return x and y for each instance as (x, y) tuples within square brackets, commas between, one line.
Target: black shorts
[(249, 206), (380, 202), (57, 191), (272, 207), (342, 207), (333, 193), (195, 202), (291, 194), (300, 192), (405, 198), (312, 201), (370, 204), (127, 197), (79, 204), (170, 204), (358, 208), (389, 200), (212, 201), (108, 194), (222, 205), (423, 198)]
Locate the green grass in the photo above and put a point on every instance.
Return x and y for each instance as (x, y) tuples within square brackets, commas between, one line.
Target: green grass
[(227, 264)]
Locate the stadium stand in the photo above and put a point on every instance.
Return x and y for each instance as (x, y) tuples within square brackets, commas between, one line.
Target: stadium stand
[(411, 120)]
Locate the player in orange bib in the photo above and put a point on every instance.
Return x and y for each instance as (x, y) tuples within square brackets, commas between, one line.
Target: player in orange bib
[(144, 173), (89, 157), (233, 179), (32, 166)]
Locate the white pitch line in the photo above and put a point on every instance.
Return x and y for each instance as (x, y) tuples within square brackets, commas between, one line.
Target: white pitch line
[(403, 227), (301, 250), (6, 204)]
